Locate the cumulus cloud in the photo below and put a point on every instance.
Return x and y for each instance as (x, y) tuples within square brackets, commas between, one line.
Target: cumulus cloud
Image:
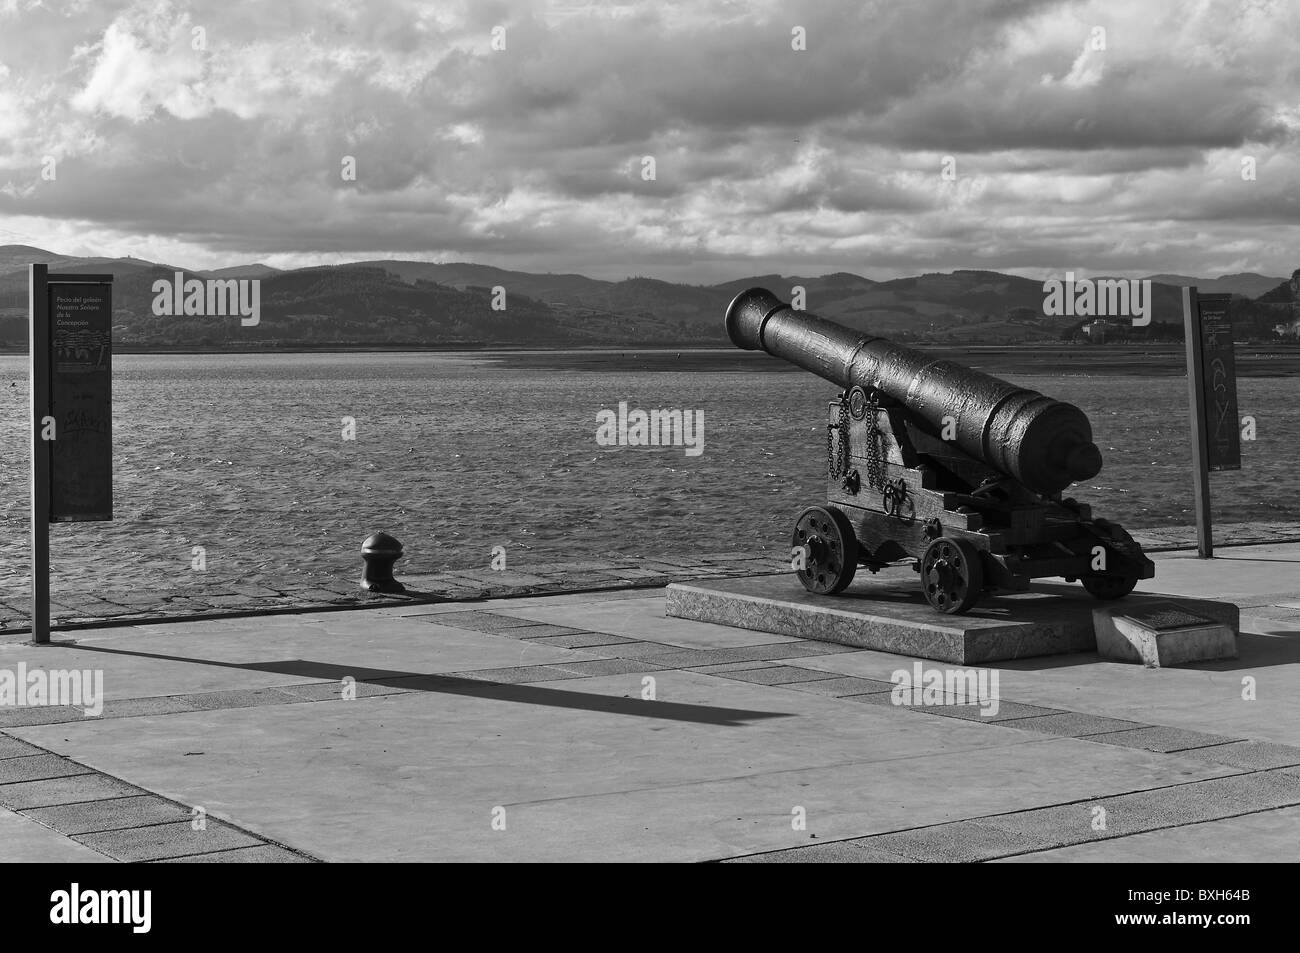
[(1095, 135)]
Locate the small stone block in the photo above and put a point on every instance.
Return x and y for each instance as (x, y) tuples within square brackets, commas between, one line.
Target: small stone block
[(109, 815), (261, 854), (1161, 738), (66, 790), (14, 748), (516, 675), (836, 852), (1247, 754), (777, 675), (1161, 634), (159, 841), (958, 842), (840, 685), (39, 767)]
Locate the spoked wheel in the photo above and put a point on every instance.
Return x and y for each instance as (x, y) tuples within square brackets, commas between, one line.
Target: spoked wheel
[(951, 574), (1109, 587), (830, 550)]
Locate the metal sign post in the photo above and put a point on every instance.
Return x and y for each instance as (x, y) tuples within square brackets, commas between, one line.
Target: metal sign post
[(38, 353), (1212, 393), (70, 377)]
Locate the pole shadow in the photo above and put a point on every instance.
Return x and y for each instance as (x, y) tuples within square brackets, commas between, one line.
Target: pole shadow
[(476, 688)]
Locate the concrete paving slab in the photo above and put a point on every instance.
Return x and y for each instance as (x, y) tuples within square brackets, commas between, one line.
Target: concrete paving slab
[(157, 705), (613, 666), (1250, 839), (1235, 573), (159, 841), (643, 619), (243, 698), (1214, 699), (263, 854), (1073, 724), (1006, 712), (540, 630), (416, 776), (22, 840), (1161, 739), (333, 691), (517, 675), (45, 715), (962, 842), (628, 649), (872, 698), (731, 667), (38, 767), (110, 814), (591, 640), (1251, 755), (1133, 813), (837, 685), (14, 748), (838, 852), (776, 675), (477, 620), (690, 658), (72, 789)]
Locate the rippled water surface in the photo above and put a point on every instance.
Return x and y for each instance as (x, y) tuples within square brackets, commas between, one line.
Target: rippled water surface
[(243, 455)]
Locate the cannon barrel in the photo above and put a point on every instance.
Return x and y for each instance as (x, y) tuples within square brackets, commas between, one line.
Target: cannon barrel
[(1046, 444)]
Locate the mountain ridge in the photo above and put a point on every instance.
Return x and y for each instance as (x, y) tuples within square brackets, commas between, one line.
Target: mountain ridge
[(377, 301)]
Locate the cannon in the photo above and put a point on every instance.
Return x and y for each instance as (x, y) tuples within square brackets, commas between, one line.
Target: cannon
[(939, 466)]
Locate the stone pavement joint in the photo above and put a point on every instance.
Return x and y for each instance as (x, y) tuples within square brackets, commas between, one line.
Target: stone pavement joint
[(114, 818), (991, 837)]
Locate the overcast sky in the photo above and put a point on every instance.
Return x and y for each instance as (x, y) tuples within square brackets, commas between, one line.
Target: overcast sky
[(1126, 159)]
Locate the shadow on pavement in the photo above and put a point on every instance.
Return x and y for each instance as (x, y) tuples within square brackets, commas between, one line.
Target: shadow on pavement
[(476, 688)]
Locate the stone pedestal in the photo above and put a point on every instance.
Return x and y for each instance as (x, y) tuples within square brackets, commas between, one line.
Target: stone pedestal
[(888, 613)]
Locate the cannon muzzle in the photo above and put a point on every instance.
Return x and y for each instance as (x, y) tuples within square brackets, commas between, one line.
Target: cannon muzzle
[(1046, 444)]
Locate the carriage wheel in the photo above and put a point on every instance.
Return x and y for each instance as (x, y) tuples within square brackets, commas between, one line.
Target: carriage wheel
[(1109, 587), (951, 574), (830, 549)]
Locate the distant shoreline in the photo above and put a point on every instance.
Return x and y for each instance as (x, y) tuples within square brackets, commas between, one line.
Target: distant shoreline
[(1157, 360)]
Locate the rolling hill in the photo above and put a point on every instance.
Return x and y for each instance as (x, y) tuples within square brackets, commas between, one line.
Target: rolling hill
[(395, 303)]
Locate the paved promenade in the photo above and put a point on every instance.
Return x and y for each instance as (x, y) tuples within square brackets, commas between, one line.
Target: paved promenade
[(522, 729), (203, 595)]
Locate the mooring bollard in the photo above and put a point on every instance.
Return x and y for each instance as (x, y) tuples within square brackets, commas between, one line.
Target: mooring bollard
[(379, 552)]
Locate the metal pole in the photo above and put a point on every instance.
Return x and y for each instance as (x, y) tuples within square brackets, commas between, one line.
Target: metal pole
[(38, 382), (1196, 394)]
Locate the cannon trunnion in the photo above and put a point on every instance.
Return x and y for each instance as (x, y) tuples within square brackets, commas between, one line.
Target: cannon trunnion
[(953, 471)]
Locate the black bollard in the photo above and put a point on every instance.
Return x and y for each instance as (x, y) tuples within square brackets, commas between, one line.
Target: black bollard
[(379, 552)]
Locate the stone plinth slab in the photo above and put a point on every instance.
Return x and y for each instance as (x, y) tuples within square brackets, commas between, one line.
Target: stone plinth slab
[(1162, 633), (887, 613)]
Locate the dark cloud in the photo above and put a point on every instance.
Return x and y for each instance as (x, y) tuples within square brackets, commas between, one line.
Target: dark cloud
[(767, 158)]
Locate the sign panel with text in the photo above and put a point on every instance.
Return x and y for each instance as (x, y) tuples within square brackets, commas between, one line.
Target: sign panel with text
[(81, 358), (1219, 369)]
